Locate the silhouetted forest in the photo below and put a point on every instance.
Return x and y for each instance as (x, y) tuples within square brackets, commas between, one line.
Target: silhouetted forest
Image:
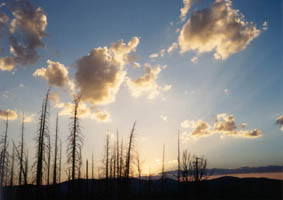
[(122, 175)]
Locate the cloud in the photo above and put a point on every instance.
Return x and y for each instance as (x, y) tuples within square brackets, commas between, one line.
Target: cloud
[(200, 128), (29, 118), (154, 55), (265, 26), (68, 109), (101, 116), (7, 63), (244, 125), (224, 125), (146, 84), (194, 59), (164, 117), (227, 92), (173, 46), (56, 74), (12, 115), (136, 65), (187, 5), (279, 121), (186, 124), (26, 30), (4, 19), (219, 29), (85, 112), (100, 73), (55, 98)]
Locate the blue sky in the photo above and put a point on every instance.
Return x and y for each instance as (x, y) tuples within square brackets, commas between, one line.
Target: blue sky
[(247, 85)]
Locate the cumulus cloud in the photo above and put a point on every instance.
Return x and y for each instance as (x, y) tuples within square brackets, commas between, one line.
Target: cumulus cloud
[(30, 24), (85, 112), (279, 121), (194, 59), (12, 115), (173, 46), (55, 98), (187, 5), (200, 128), (68, 109), (164, 117), (56, 74), (265, 26), (224, 125), (136, 65), (146, 84), (153, 55), (4, 19), (244, 125), (186, 124), (219, 29), (29, 118), (100, 73), (7, 63), (101, 116)]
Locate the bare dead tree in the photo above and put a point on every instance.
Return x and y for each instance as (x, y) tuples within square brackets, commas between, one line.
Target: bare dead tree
[(107, 157), (86, 171), (4, 157), (12, 168), (75, 140), (139, 169), (121, 162), (55, 153), (92, 172), (26, 168), (117, 154), (48, 160), (185, 167), (163, 175), (22, 149), (129, 153), (199, 167), (40, 141), (179, 169), (60, 161)]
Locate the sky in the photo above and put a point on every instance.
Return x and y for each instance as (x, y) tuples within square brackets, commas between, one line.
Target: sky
[(210, 69)]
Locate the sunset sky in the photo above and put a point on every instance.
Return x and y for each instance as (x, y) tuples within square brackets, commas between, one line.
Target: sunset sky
[(209, 68)]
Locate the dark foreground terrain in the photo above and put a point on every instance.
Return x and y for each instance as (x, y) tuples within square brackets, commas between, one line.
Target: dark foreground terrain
[(229, 188)]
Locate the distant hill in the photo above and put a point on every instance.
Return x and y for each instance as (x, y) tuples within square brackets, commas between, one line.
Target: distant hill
[(223, 188), (241, 170)]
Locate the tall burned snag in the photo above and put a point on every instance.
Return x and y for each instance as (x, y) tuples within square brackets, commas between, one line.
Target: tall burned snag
[(21, 159), (75, 141), (55, 153), (43, 133), (129, 152), (4, 153)]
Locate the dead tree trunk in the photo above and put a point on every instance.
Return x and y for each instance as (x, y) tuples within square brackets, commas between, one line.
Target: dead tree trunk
[(55, 153), (4, 154), (22, 149), (43, 131)]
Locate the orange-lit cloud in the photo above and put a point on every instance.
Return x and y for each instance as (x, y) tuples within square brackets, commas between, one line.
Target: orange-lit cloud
[(219, 29), (224, 125), (56, 74), (12, 115), (147, 83), (279, 121), (30, 24), (100, 73)]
